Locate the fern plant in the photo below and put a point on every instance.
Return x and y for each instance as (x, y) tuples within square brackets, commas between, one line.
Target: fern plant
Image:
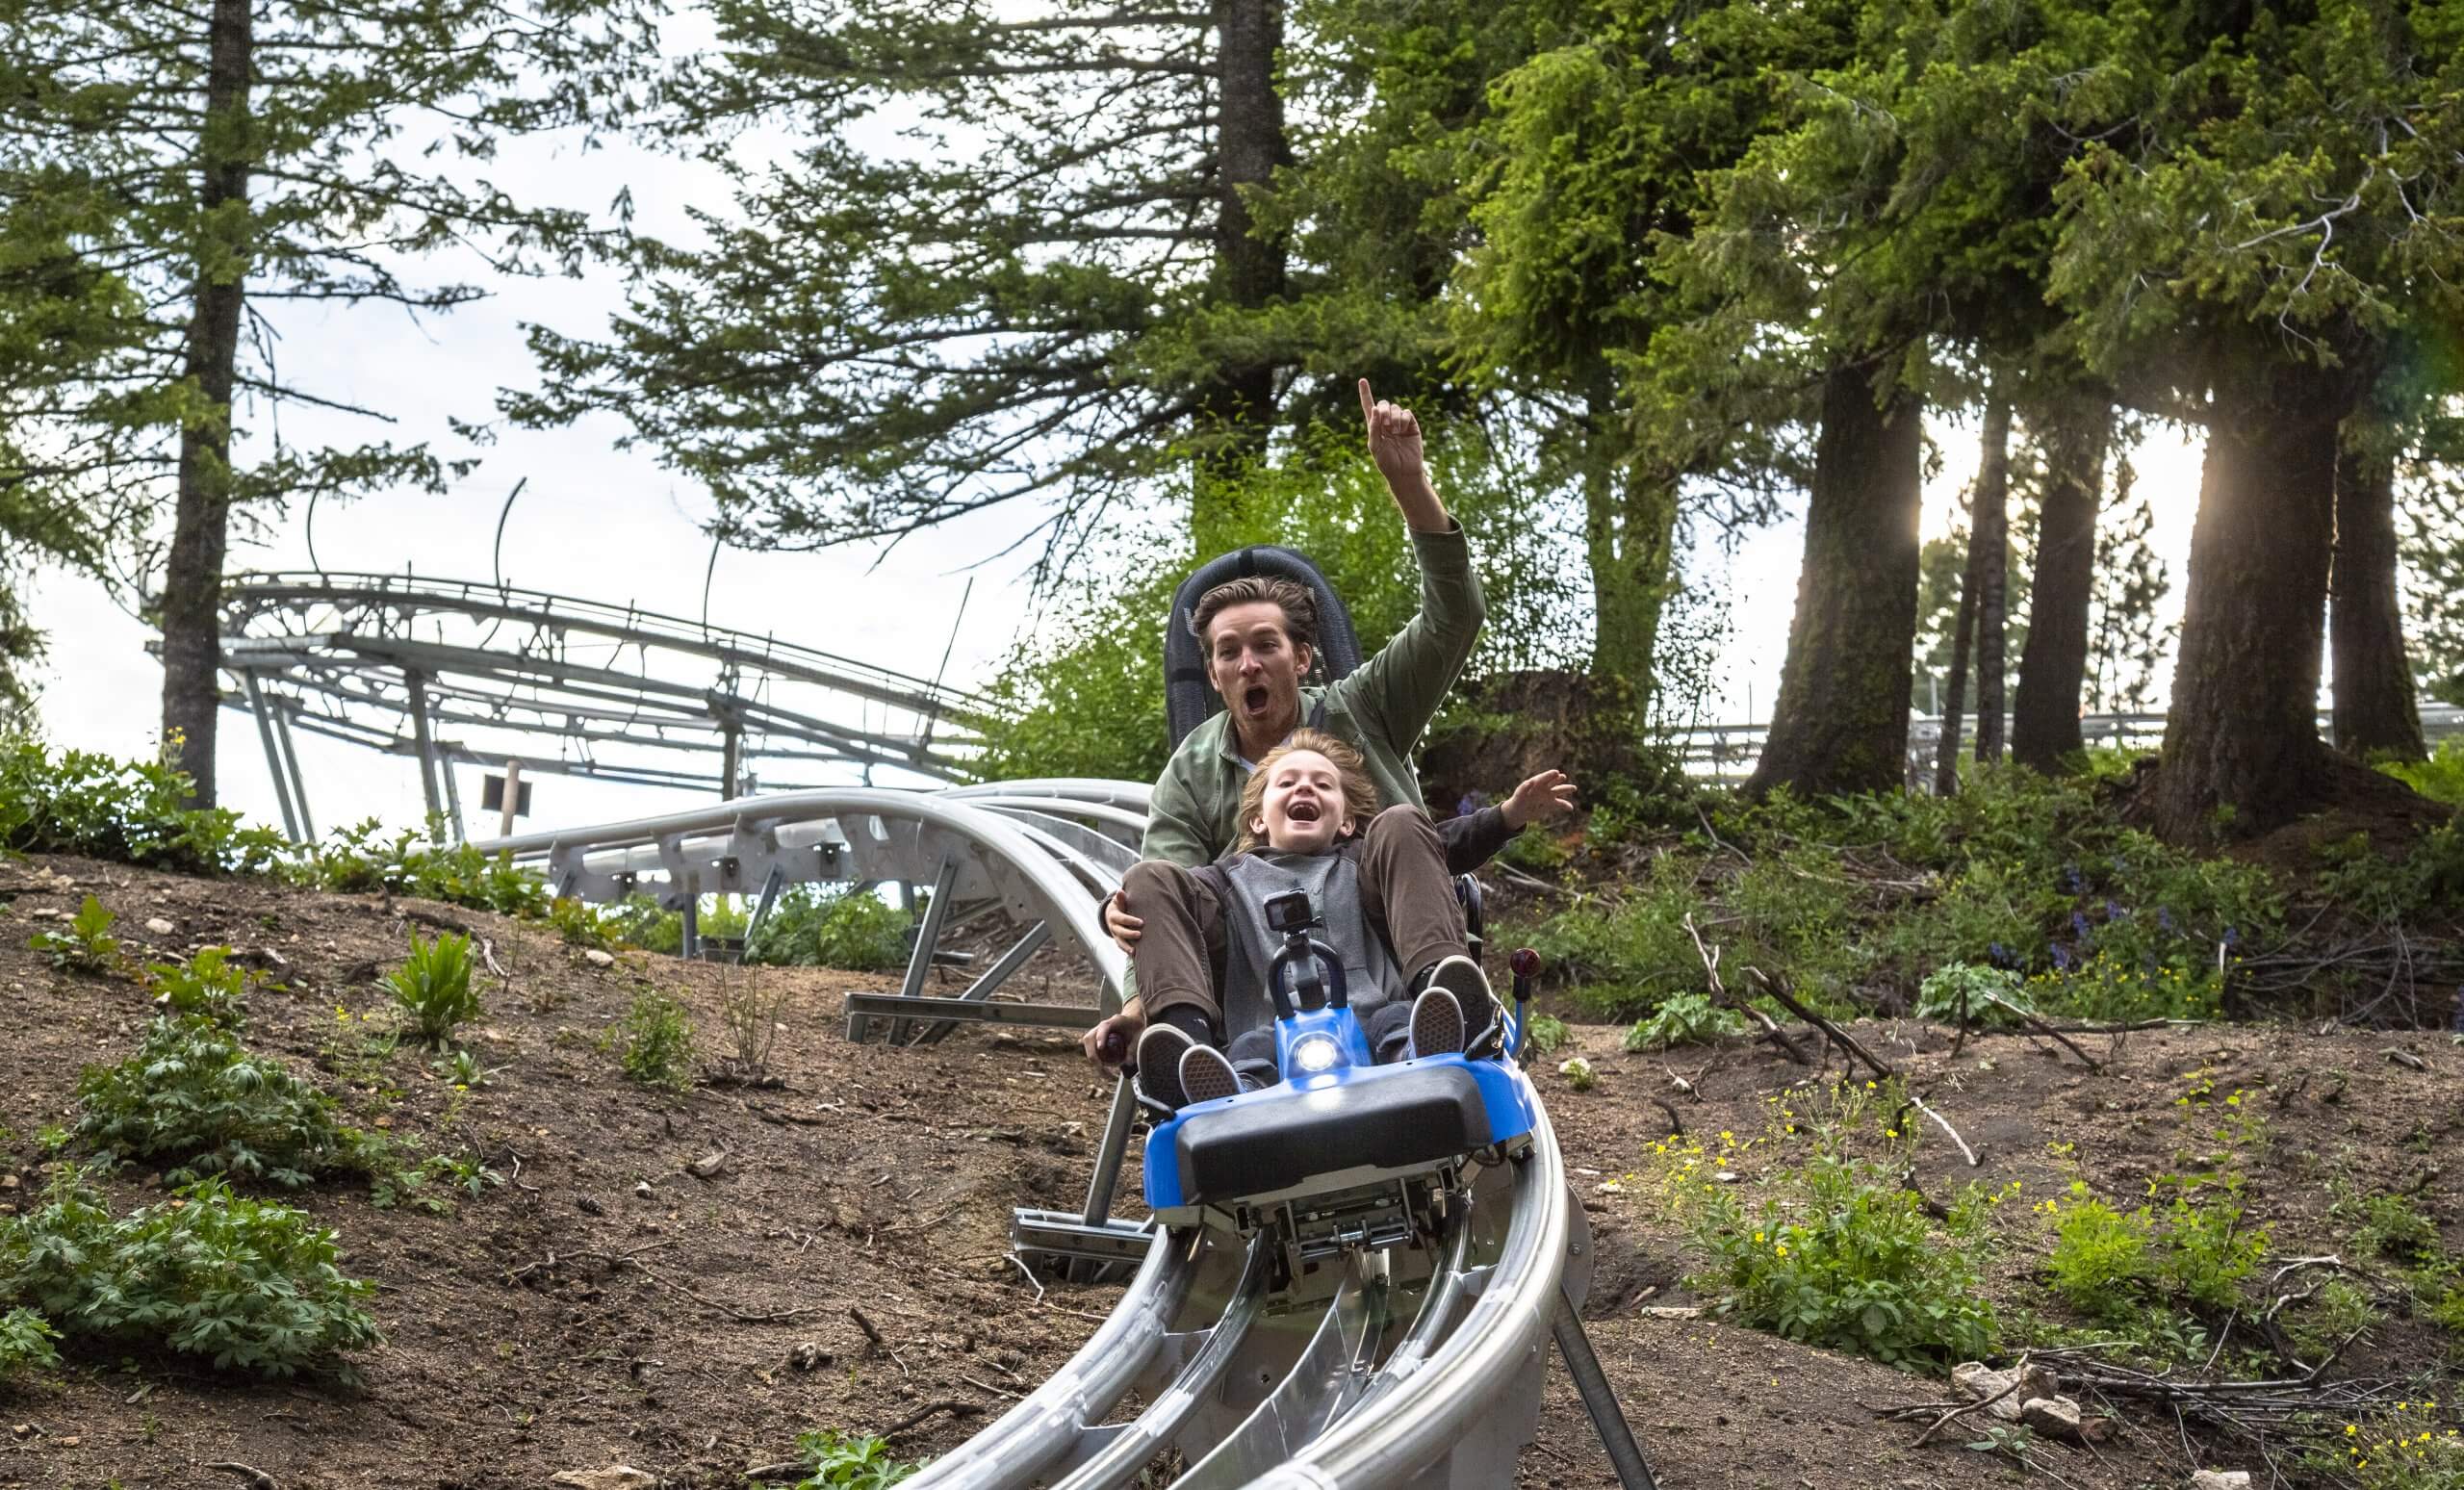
[(190, 1096)]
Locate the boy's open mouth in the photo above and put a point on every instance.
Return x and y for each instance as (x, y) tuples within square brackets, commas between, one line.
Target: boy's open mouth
[(1303, 811)]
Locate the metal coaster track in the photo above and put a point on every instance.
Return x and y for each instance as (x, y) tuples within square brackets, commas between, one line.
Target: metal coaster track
[(1253, 1392)]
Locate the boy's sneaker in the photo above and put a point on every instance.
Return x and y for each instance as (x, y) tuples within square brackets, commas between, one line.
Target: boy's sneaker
[(1437, 1024), (1206, 1074), (1158, 1058)]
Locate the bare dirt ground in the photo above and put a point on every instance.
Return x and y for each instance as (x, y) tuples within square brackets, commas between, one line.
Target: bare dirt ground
[(607, 1305)]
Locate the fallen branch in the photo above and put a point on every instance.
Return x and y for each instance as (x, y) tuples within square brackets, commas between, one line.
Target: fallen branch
[(257, 1478), (1776, 988), (1676, 1124), (954, 1406), (1771, 1031), (2019, 1377), (866, 1326), (2029, 1017), (1945, 1123)]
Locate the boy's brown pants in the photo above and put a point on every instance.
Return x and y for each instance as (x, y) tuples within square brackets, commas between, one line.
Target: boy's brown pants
[(1406, 894)]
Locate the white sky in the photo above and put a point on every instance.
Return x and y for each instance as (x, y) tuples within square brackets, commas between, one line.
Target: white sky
[(612, 526)]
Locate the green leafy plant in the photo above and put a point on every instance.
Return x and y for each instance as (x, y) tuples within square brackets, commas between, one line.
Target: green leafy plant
[(1841, 1253), (192, 1097), (582, 925), (1578, 1074), (2109, 1263), (433, 986), (243, 1284), (126, 811), (2100, 1255), (2408, 1448), (1685, 1020), (2388, 1226), (2439, 777), (844, 1461), (818, 926), (654, 1041), (26, 1341), (1547, 1035), (360, 861), (462, 1069), (206, 987), (1977, 997), (86, 944)]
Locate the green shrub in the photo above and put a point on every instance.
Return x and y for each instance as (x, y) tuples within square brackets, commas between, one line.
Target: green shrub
[(1628, 956), (207, 986), (654, 1041), (26, 1342), (1840, 1254), (2109, 1263), (1964, 994), (2411, 1448), (581, 924), (1685, 1020), (243, 1284), (2386, 1225), (2100, 1255), (127, 812), (2447, 1313), (192, 1097), (2439, 777), (86, 944), (1548, 1033), (843, 1461), (639, 921), (819, 926), (2426, 874), (433, 986), (358, 860)]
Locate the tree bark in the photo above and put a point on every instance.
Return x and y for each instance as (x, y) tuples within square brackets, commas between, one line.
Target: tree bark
[(1629, 537), (1840, 723), (2242, 751), (1946, 753), (2376, 713), (192, 604), (1236, 405), (2053, 666), (1989, 565)]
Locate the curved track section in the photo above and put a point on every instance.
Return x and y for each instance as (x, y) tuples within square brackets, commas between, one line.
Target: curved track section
[(1254, 1392)]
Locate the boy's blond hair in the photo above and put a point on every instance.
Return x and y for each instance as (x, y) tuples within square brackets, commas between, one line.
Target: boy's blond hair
[(1360, 792)]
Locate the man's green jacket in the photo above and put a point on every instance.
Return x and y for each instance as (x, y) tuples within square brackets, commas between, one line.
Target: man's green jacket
[(1379, 708)]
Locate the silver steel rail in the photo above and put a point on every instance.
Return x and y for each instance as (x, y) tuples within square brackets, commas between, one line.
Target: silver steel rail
[(1054, 1418)]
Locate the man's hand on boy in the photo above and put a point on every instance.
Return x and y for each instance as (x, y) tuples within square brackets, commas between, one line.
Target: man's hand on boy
[(1123, 927), (1548, 794)]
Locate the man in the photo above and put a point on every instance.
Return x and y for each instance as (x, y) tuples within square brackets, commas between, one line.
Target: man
[(1259, 638)]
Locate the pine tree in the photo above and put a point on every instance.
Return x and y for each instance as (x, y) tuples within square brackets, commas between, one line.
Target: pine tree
[(224, 160)]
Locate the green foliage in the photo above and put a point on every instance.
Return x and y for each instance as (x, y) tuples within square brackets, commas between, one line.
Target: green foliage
[(359, 860), (1084, 695), (2426, 874), (26, 1340), (1547, 1035), (581, 924), (1630, 955), (245, 1285), (2448, 1311), (831, 926), (130, 811), (2439, 777), (1578, 1073), (190, 1097), (206, 987), (1964, 994), (2109, 1263), (844, 1461), (639, 921), (2387, 1225), (85, 945), (1840, 1254), (1685, 1020), (654, 1041), (2410, 1446), (433, 986)]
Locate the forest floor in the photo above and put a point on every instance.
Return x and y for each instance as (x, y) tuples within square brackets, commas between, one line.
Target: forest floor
[(673, 1281)]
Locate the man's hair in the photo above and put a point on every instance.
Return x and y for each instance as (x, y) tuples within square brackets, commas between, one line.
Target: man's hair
[(1360, 792), (1298, 604)]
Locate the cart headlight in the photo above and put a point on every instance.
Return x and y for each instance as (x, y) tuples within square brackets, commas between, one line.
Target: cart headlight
[(1315, 1053)]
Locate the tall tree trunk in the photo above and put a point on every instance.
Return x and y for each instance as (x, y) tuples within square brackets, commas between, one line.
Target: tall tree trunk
[(2072, 434), (1988, 556), (2242, 751), (1236, 407), (1629, 538), (2375, 708), (192, 577), (1946, 753), (1840, 723)]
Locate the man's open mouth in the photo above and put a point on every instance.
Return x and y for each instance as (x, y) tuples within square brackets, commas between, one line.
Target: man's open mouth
[(1254, 699)]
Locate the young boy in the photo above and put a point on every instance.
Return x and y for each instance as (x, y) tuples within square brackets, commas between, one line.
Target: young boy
[(1309, 821)]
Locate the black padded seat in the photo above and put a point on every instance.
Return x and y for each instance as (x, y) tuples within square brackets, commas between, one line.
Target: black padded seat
[(1409, 1119)]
